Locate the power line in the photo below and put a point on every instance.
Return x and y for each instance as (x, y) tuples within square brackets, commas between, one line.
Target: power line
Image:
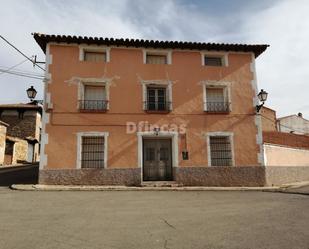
[(23, 75), (21, 52), (6, 70), (10, 68)]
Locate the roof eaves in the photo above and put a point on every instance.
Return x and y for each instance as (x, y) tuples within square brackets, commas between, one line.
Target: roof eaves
[(44, 39)]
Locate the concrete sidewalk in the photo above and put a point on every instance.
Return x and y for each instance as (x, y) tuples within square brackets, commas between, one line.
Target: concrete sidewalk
[(40, 187)]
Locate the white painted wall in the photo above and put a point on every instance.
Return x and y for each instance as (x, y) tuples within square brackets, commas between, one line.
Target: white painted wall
[(276, 155), (293, 123)]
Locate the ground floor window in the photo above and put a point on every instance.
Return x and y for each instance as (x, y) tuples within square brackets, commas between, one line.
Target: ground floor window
[(92, 152), (220, 150)]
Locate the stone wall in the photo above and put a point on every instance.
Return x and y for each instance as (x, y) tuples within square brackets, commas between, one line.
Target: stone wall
[(127, 177), (20, 151), (221, 176), (20, 128), (251, 176)]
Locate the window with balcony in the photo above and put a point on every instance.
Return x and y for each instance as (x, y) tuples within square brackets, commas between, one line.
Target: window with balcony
[(217, 99), (157, 99), (94, 98)]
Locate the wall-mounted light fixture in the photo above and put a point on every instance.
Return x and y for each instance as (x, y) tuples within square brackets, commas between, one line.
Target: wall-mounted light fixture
[(31, 92), (262, 96)]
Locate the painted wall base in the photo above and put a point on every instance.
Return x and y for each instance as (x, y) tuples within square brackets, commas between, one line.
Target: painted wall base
[(251, 176)]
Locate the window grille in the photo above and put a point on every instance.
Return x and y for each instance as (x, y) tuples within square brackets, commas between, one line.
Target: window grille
[(213, 61), (220, 151), (92, 152), (95, 56)]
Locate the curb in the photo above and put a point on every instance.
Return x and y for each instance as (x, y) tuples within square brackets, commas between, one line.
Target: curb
[(39, 187)]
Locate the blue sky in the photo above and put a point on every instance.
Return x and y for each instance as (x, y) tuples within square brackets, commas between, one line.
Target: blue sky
[(282, 70)]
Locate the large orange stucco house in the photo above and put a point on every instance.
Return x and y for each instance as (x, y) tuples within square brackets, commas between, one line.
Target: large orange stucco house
[(130, 112)]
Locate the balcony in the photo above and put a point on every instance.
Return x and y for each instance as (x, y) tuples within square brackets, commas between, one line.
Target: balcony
[(157, 107), (93, 105), (217, 107)]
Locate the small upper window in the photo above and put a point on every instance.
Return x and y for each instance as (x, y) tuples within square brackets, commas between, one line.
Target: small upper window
[(94, 56), (217, 61), (156, 59)]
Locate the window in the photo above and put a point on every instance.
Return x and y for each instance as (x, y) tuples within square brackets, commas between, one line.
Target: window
[(156, 99), (214, 59), (157, 56), (94, 56), (220, 151), (156, 59), (94, 98), (216, 99), (92, 152), (94, 53)]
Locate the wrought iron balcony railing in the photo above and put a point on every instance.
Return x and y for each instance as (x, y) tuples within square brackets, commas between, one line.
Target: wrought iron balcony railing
[(157, 106), (93, 105), (219, 107)]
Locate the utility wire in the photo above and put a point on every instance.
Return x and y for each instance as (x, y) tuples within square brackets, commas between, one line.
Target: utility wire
[(5, 70), (10, 68), (21, 53), (23, 75)]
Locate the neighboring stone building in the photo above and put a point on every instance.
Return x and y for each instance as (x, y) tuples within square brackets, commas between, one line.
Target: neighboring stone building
[(296, 124), (23, 132), (3, 128)]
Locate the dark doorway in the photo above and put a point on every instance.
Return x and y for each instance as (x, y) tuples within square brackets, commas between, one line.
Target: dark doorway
[(157, 159)]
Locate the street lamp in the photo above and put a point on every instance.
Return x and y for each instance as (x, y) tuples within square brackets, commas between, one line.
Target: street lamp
[(262, 96), (31, 92)]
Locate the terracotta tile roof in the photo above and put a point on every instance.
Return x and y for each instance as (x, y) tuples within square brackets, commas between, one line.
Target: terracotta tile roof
[(43, 39), (286, 139), (20, 106)]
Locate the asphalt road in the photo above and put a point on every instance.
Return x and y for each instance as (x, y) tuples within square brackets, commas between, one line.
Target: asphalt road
[(129, 219)]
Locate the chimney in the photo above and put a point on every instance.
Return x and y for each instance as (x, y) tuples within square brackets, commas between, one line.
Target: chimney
[(300, 114)]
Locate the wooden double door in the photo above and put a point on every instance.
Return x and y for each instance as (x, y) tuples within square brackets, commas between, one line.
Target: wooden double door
[(157, 159)]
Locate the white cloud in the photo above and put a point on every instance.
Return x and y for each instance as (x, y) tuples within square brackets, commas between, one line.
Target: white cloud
[(282, 69)]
